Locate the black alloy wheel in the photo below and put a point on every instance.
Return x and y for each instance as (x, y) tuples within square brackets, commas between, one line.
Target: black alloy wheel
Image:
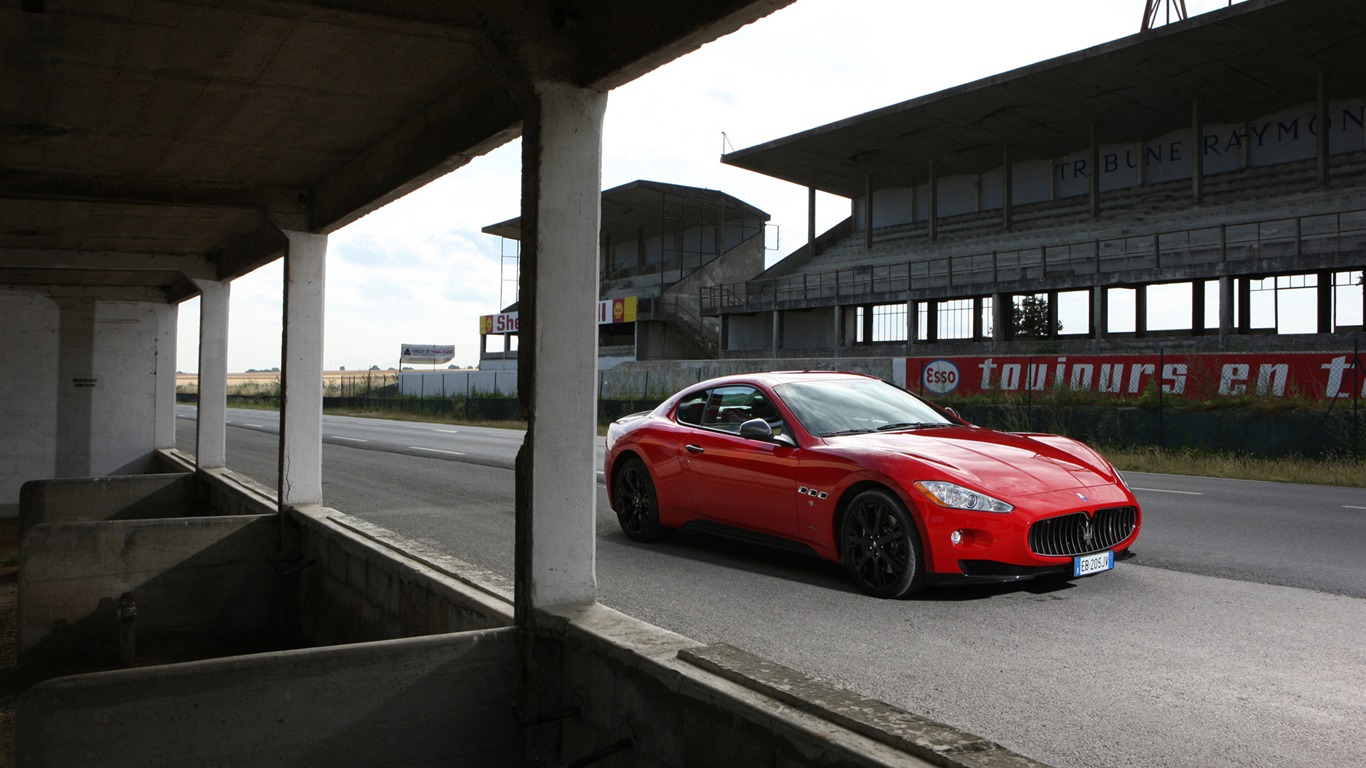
[(637, 507), (880, 546)]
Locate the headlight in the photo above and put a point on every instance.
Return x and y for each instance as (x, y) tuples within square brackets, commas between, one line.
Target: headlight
[(957, 497)]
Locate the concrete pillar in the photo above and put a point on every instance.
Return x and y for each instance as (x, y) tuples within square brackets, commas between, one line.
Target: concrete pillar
[(557, 358), (839, 327), (1197, 153), (777, 331), (301, 378), (1100, 310), (164, 408), (211, 438), (1140, 311), (810, 222), (1093, 170), (1225, 307), (1000, 316)]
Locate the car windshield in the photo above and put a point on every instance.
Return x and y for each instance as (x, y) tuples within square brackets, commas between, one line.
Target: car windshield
[(833, 407)]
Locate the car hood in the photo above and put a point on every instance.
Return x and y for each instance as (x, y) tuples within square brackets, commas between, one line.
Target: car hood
[(999, 463)]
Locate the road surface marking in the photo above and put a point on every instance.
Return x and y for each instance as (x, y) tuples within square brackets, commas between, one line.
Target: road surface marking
[(434, 450), (1349, 506), (352, 439), (1163, 490)]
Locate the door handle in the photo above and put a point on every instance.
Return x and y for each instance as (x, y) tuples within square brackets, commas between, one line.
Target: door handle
[(694, 448)]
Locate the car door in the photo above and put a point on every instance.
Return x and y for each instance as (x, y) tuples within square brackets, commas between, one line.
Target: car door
[(743, 482)]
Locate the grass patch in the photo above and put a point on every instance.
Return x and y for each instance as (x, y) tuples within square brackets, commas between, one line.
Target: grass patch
[(1341, 472)]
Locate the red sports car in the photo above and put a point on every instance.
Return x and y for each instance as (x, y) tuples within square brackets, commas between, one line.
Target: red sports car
[(859, 471)]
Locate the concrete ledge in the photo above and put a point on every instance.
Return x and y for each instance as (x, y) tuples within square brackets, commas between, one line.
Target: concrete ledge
[(681, 703), (122, 497), (940, 743), (440, 700), (187, 575)]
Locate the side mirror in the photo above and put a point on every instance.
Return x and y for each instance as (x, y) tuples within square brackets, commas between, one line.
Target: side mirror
[(758, 429)]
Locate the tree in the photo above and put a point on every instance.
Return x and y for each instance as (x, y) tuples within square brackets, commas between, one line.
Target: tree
[(1030, 318)]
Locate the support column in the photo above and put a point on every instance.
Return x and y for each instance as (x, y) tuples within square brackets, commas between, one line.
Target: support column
[(301, 378), (933, 191), (1093, 171), (777, 332), (557, 359), (1197, 153), (1140, 311), (1198, 308), (1325, 301), (867, 211), (164, 398), (1322, 145), (810, 222), (1007, 189), (1100, 312), (1001, 310), (212, 430), (1225, 307), (839, 328)]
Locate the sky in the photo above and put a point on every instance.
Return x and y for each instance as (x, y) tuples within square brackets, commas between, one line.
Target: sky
[(420, 271)]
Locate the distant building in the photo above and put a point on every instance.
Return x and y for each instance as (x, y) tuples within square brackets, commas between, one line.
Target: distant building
[(661, 246)]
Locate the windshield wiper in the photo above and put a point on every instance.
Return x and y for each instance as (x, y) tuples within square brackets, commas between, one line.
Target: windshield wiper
[(859, 431), (912, 425)]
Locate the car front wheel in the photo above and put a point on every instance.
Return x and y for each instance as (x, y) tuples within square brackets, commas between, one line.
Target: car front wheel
[(880, 546), (635, 502)]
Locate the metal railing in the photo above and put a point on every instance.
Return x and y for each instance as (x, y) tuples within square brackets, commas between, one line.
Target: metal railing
[(1171, 255)]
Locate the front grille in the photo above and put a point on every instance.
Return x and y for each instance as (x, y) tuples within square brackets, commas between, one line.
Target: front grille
[(1079, 533)]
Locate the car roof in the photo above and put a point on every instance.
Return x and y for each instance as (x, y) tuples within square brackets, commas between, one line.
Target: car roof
[(774, 378)]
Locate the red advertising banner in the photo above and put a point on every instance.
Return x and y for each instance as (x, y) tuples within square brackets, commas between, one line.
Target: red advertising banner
[(1312, 375)]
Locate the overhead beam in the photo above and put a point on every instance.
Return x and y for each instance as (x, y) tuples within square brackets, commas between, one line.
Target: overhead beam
[(192, 267), (89, 188)]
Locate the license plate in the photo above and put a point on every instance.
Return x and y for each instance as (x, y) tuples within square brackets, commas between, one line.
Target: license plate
[(1086, 565)]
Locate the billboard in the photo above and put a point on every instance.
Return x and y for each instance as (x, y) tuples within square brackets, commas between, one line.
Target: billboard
[(427, 353), (1312, 375)]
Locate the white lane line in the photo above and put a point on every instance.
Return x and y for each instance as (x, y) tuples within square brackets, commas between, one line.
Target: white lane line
[(1349, 506), (434, 450), (1163, 490), (351, 439)]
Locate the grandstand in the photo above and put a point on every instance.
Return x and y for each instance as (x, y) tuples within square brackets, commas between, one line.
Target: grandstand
[(661, 246), (1063, 207)]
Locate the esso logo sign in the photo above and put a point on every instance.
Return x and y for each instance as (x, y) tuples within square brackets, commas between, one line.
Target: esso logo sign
[(940, 377)]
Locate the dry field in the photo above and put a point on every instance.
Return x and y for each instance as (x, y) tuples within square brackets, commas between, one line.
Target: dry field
[(261, 380)]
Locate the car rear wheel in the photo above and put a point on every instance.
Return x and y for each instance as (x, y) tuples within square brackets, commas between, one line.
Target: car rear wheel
[(637, 506), (880, 546)]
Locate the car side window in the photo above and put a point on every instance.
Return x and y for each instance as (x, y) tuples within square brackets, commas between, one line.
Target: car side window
[(690, 409), (728, 407)]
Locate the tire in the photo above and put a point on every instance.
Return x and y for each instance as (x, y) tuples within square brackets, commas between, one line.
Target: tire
[(880, 547), (636, 504)]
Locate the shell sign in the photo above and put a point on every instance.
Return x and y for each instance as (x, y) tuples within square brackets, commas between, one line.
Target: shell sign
[(609, 311)]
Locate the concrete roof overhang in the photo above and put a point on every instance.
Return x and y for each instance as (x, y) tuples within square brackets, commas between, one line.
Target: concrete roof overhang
[(1248, 60), (651, 207), (146, 143)]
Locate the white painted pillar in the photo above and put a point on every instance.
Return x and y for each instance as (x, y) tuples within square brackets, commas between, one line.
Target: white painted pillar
[(301, 399), (557, 506), (163, 430), (211, 438)]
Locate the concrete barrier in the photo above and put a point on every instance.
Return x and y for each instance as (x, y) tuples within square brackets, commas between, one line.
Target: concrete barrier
[(205, 575), (440, 700), (358, 581), (122, 497)]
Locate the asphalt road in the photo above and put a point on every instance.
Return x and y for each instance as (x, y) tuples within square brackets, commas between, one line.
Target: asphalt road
[(1237, 637)]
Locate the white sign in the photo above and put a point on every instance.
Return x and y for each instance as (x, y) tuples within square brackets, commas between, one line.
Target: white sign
[(427, 353)]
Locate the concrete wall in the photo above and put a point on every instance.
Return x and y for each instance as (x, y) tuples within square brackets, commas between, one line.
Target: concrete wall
[(201, 575), (79, 378), (354, 581), (445, 700), (121, 497)]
